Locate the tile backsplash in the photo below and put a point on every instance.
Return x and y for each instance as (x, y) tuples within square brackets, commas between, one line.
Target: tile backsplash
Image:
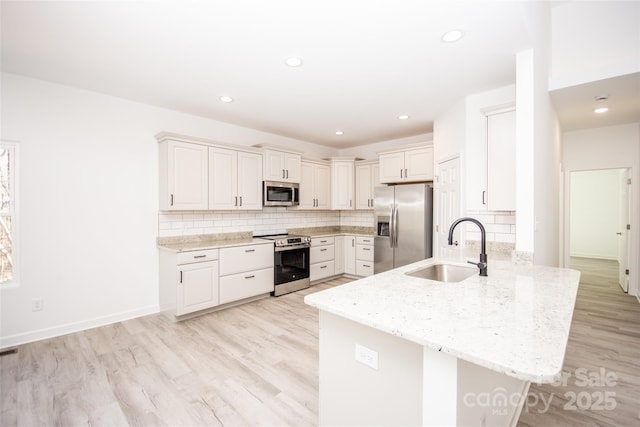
[(267, 221), (500, 226)]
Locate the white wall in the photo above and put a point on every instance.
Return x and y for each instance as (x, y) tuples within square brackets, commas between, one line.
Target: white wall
[(603, 43), (610, 147), (88, 207), (449, 135), (538, 153), (595, 213)]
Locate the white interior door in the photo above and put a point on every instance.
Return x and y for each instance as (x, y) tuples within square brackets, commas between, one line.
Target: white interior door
[(447, 198)]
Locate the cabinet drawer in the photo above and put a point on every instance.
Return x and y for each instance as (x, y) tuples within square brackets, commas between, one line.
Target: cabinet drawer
[(321, 270), (364, 268), (364, 240), (364, 253), (245, 258), (321, 253), (317, 241), (244, 285), (197, 256)]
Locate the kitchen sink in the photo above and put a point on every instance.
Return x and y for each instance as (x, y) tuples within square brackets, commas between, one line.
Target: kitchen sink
[(447, 273)]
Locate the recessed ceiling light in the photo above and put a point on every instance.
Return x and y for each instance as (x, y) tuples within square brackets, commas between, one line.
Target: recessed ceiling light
[(403, 117), (293, 62), (601, 110), (226, 99), (339, 132), (452, 36)]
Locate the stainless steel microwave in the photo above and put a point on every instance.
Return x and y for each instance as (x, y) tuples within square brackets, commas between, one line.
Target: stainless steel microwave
[(280, 193)]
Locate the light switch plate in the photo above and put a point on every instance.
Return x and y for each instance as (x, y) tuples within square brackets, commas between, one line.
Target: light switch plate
[(366, 356)]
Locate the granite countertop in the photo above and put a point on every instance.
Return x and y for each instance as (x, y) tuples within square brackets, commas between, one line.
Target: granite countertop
[(209, 241), (515, 321)]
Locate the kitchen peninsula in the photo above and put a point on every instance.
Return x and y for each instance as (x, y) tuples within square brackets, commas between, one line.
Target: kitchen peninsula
[(402, 350)]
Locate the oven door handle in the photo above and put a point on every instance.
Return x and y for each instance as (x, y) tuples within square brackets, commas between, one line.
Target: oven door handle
[(291, 248)]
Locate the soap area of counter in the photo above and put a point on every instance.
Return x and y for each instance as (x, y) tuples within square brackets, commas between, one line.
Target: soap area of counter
[(396, 349)]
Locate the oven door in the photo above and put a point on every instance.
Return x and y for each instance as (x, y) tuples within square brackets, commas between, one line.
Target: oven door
[(291, 264)]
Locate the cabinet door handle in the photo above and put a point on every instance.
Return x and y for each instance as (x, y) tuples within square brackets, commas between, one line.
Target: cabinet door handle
[(240, 200), (172, 200), (400, 173), (236, 202), (366, 265), (282, 173), (349, 202), (353, 243), (323, 241), (180, 276), (366, 249), (405, 174), (287, 173), (250, 277), (366, 240), (323, 266), (249, 250), (483, 194), (323, 250), (199, 256)]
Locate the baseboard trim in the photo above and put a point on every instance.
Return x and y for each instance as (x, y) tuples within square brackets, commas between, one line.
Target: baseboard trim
[(56, 331)]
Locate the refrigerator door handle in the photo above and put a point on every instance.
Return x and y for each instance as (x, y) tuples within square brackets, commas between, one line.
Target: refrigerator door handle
[(395, 226), (391, 226)]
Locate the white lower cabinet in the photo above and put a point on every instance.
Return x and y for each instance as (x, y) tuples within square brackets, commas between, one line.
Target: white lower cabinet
[(350, 255), (188, 281), (364, 256), (322, 258), (192, 281), (338, 264), (245, 271)]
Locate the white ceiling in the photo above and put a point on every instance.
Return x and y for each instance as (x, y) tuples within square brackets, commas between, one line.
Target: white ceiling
[(365, 62)]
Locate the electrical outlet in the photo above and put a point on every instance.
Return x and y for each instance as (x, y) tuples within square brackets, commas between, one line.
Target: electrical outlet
[(366, 356), (37, 304)]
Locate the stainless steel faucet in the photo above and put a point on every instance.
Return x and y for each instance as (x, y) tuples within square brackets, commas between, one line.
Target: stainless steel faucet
[(482, 265)]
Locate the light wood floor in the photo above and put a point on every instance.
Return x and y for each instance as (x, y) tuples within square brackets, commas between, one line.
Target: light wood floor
[(604, 341), (257, 364)]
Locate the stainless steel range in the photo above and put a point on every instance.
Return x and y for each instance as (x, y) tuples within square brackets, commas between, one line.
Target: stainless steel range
[(291, 262)]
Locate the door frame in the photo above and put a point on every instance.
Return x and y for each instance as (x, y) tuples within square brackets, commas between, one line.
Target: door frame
[(632, 237)]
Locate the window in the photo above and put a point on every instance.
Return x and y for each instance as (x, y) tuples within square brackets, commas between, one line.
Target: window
[(7, 211)]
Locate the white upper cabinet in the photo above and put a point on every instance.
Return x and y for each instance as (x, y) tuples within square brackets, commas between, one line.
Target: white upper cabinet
[(281, 166), (412, 165), (367, 178), (492, 161), (196, 174), (250, 180), (315, 185), (183, 176), (501, 162), (342, 184), (234, 180)]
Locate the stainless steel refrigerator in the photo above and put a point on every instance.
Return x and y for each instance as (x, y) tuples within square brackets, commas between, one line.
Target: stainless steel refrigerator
[(403, 225)]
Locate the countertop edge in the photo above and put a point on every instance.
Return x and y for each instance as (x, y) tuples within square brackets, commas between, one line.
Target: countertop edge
[(549, 374)]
